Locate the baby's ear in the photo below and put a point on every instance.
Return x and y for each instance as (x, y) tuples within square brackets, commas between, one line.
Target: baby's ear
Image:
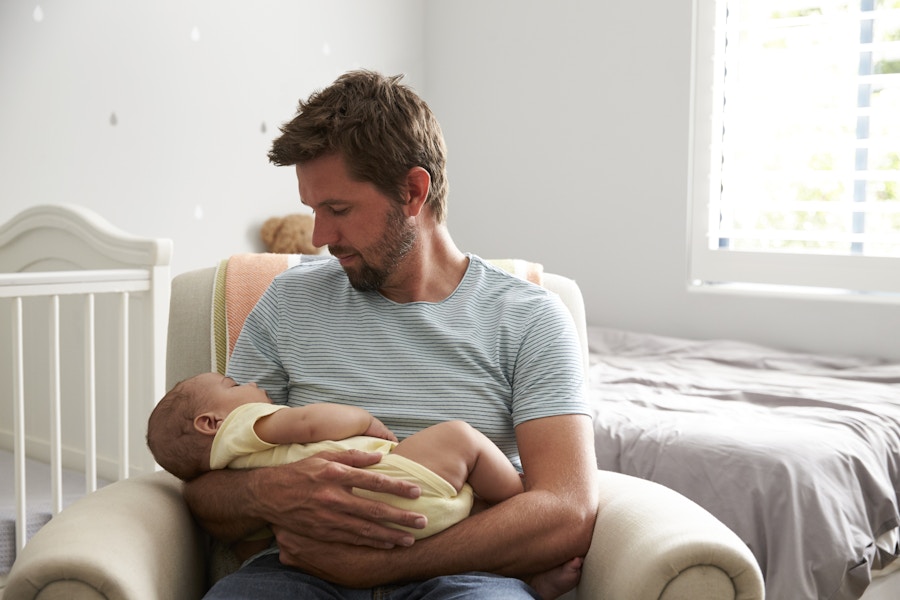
[(207, 423)]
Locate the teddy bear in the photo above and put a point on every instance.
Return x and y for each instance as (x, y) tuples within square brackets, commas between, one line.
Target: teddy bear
[(290, 234)]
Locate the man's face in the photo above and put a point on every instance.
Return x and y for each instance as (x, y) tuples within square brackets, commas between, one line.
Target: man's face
[(366, 231)]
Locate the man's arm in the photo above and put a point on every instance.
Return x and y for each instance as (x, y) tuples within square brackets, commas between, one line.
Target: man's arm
[(548, 524), (312, 495)]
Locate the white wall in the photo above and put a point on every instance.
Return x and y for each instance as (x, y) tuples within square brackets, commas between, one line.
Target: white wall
[(567, 125), (192, 84)]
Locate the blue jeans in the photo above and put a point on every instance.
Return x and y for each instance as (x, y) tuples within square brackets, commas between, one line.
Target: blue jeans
[(266, 578)]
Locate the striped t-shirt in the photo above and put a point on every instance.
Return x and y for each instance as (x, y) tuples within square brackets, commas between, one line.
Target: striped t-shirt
[(495, 353)]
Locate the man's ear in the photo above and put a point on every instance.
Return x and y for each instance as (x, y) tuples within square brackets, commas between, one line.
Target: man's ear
[(207, 423), (418, 182)]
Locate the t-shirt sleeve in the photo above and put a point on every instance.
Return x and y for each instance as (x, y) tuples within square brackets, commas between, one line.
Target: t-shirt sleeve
[(237, 437), (549, 371)]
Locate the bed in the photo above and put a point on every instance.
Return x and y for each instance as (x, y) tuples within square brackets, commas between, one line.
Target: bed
[(82, 361), (798, 454)]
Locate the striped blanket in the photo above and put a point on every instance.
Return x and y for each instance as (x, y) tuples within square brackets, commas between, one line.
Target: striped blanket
[(241, 279)]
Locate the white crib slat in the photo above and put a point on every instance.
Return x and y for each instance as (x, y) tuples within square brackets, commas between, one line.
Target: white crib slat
[(124, 403), (90, 397), (19, 420), (55, 409)]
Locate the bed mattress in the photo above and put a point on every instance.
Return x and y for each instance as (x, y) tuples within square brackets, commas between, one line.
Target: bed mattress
[(798, 454)]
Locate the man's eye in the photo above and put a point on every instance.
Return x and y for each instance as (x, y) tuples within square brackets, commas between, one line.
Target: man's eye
[(339, 211)]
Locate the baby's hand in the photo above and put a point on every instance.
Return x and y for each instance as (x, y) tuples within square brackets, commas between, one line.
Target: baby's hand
[(380, 430)]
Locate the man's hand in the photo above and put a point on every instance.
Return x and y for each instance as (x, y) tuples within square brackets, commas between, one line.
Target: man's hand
[(313, 497), (321, 559)]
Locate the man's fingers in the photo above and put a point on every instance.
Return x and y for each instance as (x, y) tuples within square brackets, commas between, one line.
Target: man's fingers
[(367, 518), (379, 512), (363, 479)]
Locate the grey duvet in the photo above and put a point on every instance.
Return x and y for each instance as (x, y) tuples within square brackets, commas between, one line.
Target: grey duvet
[(798, 454)]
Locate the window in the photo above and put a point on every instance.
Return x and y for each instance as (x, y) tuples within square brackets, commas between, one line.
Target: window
[(796, 144)]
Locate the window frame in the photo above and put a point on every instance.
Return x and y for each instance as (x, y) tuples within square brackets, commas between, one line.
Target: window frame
[(713, 267)]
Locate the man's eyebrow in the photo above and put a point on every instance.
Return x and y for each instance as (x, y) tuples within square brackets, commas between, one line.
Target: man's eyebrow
[(330, 202)]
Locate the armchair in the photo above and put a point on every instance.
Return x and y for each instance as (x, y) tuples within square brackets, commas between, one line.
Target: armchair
[(136, 540)]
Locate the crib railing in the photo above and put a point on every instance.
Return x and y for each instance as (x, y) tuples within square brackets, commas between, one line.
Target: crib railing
[(83, 351), (120, 283)]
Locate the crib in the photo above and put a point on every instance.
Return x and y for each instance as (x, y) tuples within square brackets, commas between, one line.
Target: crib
[(83, 317)]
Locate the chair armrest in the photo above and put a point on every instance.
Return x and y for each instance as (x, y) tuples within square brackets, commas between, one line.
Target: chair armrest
[(132, 540), (652, 543)]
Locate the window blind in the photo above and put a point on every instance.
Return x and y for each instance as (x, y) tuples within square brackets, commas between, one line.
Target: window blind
[(796, 143)]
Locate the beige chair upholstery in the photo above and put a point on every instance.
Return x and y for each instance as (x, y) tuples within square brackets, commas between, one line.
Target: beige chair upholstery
[(135, 539)]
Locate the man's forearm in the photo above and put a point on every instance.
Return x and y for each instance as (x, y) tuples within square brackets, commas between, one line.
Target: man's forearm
[(524, 535), (222, 502)]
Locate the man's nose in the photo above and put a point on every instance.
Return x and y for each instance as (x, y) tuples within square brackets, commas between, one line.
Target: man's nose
[(323, 232)]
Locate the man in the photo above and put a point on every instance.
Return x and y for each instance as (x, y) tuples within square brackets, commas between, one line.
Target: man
[(409, 327)]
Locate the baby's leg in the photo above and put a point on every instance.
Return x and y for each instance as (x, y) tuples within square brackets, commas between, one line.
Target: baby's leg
[(458, 452)]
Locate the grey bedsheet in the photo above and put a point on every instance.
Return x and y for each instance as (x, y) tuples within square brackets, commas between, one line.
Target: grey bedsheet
[(798, 454)]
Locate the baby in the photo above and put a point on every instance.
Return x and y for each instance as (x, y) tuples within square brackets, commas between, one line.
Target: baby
[(210, 422)]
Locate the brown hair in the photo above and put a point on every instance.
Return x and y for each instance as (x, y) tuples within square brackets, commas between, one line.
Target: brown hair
[(379, 126), (173, 441)]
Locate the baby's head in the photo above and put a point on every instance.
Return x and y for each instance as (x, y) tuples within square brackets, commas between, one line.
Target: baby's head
[(181, 428)]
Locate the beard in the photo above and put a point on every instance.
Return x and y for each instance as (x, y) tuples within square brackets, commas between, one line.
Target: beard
[(380, 260)]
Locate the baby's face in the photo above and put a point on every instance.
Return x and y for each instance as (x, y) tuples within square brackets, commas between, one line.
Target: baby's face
[(226, 394)]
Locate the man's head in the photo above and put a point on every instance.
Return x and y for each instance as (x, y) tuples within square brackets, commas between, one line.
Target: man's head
[(380, 127)]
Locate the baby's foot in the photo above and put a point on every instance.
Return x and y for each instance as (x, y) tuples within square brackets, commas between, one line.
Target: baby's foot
[(556, 582)]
